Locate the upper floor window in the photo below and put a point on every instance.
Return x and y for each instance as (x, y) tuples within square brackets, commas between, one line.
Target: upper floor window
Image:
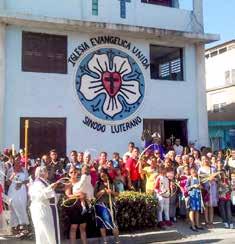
[(230, 77), (44, 53), (159, 2), (166, 63), (219, 107)]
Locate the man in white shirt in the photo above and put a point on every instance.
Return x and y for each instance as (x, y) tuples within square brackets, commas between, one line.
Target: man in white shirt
[(177, 147), (131, 145)]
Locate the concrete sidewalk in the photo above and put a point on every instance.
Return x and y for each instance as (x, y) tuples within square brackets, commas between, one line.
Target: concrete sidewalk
[(179, 233), (137, 238)]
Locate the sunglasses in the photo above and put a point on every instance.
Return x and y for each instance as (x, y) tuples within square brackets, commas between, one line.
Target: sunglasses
[(73, 172)]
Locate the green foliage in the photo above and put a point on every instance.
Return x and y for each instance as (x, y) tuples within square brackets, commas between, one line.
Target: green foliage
[(136, 211)]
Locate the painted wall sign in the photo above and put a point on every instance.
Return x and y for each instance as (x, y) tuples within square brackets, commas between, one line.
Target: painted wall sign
[(110, 83)]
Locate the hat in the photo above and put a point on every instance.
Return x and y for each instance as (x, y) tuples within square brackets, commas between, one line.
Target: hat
[(156, 135)]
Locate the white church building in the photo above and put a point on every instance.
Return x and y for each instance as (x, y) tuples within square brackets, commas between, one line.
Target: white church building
[(92, 74)]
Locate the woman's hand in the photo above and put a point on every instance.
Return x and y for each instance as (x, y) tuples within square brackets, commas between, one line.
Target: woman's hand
[(109, 191), (54, 185)]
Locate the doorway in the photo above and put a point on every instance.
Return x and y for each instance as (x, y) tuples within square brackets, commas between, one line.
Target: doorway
[(44, 134), (176, 129), (168, 128)]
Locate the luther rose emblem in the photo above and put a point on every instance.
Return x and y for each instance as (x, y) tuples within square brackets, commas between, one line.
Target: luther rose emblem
[(110, 84)]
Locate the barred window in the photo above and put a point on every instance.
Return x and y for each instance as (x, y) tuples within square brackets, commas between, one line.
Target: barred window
[(159, 2), (44, 53), (227, 77), (95, 10), (233, 75), (166, 62)]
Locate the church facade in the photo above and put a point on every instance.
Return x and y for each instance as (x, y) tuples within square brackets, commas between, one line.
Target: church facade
[(92, 74)]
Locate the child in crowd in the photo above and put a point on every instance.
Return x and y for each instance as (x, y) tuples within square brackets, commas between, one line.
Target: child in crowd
[(183, 195), (162, 189), (194, 189), (150, 171), (115, 160), (120, 181), (1, 207), (84, 185)]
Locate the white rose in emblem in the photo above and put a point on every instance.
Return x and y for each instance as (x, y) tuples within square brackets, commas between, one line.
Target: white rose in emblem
[(110, 82)]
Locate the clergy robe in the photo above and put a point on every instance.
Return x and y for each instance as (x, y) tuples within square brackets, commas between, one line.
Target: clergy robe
[(158, 147), (44, 212), (18, 200)]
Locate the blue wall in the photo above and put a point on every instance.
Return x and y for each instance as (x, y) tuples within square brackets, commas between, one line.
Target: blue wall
[(225, 130)]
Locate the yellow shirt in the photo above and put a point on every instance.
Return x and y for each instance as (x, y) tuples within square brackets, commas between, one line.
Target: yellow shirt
[(151, 175)]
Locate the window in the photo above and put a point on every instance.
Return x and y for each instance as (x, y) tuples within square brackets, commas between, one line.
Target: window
[(223, 50), (216, 108), (227, 77), (230, 77), (233, 75), (159, 2), (44, 53), (95, 7), (219, 107), (166, 62), (213, 54)]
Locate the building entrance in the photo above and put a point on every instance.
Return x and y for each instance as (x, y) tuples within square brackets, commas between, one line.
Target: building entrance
[(168, 129)]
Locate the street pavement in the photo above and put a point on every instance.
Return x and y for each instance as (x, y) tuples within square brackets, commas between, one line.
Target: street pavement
[(179, 233), (218, 234)]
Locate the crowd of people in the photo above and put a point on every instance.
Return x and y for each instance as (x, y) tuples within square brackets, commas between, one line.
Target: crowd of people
[(187, 182)]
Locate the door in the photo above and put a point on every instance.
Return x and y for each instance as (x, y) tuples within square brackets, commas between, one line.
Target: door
[(44, 134), (177, 129)]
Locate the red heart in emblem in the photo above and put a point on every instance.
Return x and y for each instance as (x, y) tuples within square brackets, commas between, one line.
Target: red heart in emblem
[(112, 82)]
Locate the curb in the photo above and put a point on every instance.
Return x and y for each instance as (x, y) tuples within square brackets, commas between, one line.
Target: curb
[(138, 238)]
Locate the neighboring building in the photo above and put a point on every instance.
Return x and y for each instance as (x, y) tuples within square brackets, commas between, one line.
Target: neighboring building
[(220, 78), (91, 74)]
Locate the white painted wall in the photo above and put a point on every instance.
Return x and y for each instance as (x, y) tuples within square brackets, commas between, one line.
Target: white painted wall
[(217, 66), (138, 13), (52, 95)]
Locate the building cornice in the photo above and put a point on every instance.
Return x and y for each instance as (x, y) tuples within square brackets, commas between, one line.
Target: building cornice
[(63, 24), (220, 87), (219, 46)]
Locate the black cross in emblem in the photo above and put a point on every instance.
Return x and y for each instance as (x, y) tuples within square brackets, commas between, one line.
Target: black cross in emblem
[(111, 80)]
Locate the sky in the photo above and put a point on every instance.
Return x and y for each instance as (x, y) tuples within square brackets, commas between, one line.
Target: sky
[(219, 17)]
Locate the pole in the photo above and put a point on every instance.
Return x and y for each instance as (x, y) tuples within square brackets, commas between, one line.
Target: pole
[(26, 126), (110, 203), (13, 150)]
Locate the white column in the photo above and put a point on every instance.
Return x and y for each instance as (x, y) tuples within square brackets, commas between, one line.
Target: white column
[(203, 136), (198, 15), (2, 78)]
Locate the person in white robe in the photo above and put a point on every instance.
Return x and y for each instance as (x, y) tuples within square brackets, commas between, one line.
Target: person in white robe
[(43, 208), (17, 194), (2, 173)]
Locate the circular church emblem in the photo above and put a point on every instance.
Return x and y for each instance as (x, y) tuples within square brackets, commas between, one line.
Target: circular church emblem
[(110, 84)]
